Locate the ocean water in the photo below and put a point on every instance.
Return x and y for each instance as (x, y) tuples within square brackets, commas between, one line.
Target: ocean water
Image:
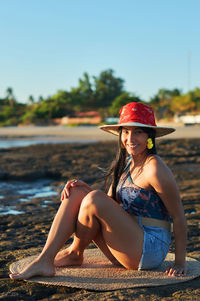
[(9, 143), (14, 192)]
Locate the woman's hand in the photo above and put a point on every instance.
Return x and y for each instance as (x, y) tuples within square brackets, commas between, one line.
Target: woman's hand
[(70, 184), (176, 270)]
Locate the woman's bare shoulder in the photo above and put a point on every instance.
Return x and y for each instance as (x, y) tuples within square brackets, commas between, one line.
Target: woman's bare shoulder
[(154, 165), (154, 160)]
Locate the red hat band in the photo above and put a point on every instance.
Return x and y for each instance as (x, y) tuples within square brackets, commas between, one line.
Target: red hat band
[(137, 112)]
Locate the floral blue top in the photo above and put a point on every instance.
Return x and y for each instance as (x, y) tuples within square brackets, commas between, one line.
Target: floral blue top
[(138, 201)]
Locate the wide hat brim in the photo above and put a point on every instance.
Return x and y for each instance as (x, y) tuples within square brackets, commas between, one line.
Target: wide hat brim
[(159, 130)]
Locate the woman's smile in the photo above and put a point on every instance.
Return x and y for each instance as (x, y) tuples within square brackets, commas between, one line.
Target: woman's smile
[(132, 146)]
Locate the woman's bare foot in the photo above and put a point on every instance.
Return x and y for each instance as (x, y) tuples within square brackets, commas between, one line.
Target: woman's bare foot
[(39, 267), (68, 257)]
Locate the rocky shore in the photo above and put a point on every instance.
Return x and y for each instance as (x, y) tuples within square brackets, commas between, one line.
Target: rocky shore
[(24, 234)]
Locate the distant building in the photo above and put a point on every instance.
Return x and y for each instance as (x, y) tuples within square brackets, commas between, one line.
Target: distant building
[(91, 117), (188, 119), (112, 120)]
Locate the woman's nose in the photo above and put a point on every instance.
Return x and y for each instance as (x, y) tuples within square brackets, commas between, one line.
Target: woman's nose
[(131, 137)]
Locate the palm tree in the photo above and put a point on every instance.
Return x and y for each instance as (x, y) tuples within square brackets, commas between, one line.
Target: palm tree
[(10, 96)]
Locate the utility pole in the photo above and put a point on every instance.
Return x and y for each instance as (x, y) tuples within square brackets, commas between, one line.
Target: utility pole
[(189, 69)]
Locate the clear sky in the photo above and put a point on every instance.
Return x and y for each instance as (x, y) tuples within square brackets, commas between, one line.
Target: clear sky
[(47, 45)]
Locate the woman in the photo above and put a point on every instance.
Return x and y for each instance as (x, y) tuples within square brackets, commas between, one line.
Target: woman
[(131, 223)]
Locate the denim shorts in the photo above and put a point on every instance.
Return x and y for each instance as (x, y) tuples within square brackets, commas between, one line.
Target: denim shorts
[(155, 247)]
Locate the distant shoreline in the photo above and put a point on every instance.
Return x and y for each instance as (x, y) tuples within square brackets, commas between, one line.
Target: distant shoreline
[(91, 133)]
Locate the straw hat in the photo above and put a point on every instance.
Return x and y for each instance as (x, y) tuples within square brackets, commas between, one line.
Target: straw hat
[(139, 115)]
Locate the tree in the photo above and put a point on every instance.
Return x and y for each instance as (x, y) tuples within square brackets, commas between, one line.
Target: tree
[(61, 104), (107, 88), (83, 98), (10, 96), (31, 99), (183, 104), (56, 106), (9, 93), (40, 98), (161, 102), (196, 99), (120, 101)]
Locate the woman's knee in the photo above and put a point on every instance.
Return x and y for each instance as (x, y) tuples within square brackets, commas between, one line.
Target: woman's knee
[(94, 200), (77, 193)]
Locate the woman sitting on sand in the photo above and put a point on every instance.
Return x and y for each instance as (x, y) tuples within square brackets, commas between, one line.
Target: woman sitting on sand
[(131, 223)]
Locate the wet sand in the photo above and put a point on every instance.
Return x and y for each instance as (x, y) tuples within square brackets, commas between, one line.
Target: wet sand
[(24, 234)]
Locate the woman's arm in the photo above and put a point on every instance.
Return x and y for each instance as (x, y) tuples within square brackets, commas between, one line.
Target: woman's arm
[(162, 180)]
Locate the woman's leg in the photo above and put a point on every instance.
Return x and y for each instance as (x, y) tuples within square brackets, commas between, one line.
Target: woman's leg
[(62, 228), (100, 243), (121, 233), (70, 256), (97, 212), (117, 234)]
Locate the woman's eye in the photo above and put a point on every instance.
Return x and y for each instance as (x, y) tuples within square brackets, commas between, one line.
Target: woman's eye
[(138, 132)]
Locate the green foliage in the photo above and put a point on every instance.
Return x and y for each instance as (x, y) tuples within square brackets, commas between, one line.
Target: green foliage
[(6, 114), (83, 95), (161, 102), (107, 88), (104, 93), (184, 103), (31, 99), (168, 103), (120, 101), (10, 113), (27, 117)]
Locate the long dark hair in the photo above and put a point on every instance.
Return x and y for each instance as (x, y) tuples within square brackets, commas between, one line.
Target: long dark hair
[(118, 165)]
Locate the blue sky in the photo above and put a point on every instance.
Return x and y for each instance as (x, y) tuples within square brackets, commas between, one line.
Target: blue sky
[(47, 45)]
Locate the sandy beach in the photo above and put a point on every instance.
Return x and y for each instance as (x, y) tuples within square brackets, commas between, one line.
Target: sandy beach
[(81, 133), (24, 234)]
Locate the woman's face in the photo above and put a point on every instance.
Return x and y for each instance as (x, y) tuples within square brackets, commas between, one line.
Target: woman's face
[(134, 139)]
